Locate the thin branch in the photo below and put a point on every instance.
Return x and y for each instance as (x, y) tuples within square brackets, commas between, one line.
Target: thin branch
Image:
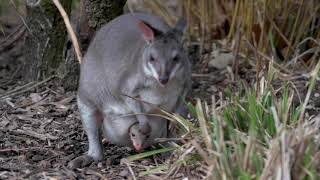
[(314, 75), (69, 29), (20, 16)]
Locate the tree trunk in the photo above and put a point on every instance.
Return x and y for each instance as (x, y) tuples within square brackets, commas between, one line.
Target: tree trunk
[(47, 48), (46, 42), (94, 14)]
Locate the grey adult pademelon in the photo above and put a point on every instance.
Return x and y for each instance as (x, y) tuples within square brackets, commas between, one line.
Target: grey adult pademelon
[(134, 64)]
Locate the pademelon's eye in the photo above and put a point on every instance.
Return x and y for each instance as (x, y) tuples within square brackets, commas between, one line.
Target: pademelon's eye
[(148, 136), (176, 59), (152, 59), (133, 135)]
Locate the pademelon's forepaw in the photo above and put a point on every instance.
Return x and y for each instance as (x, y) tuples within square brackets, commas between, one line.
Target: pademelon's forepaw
[(81, 161)]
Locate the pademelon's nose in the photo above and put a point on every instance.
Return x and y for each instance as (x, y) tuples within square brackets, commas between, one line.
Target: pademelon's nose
[(164, 80), (138, 147)]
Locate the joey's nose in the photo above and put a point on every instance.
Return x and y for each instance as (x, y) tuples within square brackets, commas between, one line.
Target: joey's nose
[(164, 80), (138, 147)]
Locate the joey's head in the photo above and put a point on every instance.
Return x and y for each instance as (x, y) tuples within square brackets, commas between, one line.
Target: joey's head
[(138, 138), (164, 57)]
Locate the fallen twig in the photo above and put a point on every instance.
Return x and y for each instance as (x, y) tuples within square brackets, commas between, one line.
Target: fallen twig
[(131, 171), (13, 37), (91, 171), (16, 89), (25, 88), (43, 137), (31, 149)]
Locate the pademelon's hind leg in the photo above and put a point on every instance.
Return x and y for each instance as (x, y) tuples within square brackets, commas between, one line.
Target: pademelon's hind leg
[(91, 120)]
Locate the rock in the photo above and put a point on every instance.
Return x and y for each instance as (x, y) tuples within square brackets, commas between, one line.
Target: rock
[(100, 165), (213, 89), (221, 60), (124, 173)]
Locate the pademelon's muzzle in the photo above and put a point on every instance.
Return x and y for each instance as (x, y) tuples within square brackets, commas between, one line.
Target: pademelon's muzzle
[(164, 79)]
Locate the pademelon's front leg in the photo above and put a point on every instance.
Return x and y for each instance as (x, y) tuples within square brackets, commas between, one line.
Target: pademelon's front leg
[(91, 121), (135, 104), (181, 107)]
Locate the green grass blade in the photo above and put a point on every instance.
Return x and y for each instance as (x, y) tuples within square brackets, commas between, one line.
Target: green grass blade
[(149, 153)]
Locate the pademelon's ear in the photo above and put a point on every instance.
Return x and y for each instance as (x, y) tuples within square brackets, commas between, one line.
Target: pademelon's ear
[(148, 32), (180, 27)]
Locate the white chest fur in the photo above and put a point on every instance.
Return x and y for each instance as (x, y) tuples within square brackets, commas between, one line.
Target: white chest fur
[(164, 97)]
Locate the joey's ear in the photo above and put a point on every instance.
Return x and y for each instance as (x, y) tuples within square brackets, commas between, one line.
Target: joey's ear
[(148, 32)]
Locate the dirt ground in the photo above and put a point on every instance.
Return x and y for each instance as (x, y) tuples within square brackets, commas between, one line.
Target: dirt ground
[(40, 128)]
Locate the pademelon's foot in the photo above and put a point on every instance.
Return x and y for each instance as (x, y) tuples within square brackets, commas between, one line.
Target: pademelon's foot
[(81, 161)]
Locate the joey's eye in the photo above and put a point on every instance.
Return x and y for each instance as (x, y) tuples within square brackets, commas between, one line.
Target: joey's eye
[(175, 59), (133, 135), (147, 136), (152, 59)]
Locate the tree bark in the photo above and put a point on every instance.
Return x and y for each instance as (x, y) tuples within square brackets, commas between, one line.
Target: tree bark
[(47, 48), (94, 14), (46, 42)]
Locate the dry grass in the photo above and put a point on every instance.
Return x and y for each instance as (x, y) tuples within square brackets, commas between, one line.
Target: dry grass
[(257, 132), (281, 29)]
